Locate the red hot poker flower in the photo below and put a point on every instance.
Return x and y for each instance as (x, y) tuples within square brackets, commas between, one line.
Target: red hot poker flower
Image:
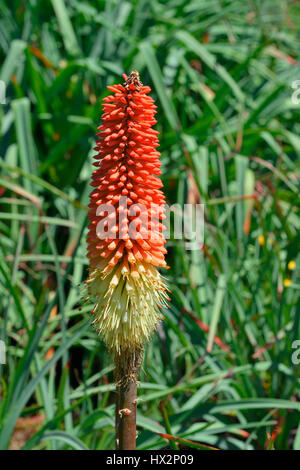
[(125, 240)]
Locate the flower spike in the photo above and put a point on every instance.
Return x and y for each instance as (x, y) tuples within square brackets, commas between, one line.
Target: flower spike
[(125, 240)]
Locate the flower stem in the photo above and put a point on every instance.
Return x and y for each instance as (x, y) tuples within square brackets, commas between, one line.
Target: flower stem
[(117, 416), (126, 375), (127, 412)]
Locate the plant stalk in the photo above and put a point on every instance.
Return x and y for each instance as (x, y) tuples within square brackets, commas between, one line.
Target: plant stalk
[(127, 416), (117, 416)]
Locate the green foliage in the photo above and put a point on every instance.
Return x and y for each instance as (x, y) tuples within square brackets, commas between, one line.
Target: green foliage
[(219, 371)]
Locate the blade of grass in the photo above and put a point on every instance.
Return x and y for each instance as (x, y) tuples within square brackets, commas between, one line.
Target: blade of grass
[(216, 311), (66, 28)]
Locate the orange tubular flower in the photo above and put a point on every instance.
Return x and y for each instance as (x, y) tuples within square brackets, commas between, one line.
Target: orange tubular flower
[(125, 240)]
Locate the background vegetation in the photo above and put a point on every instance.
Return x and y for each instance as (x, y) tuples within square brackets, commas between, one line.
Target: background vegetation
[(219, 372)]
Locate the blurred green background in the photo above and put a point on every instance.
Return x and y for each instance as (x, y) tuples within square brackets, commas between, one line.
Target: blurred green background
[(220, 371)]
